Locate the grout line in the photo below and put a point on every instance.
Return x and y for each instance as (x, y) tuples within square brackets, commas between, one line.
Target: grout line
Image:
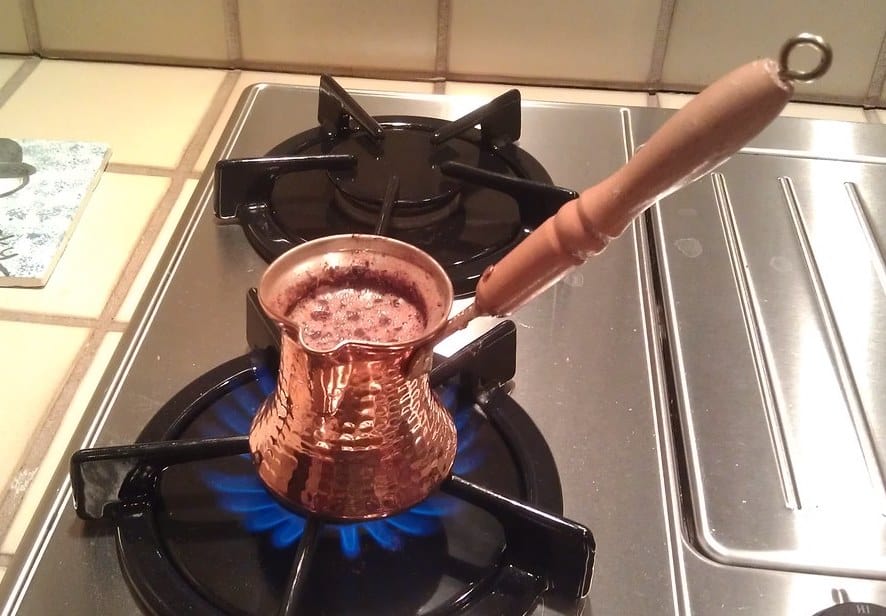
[(48, 319), (441, 59), (32, 28), (233, 40), (444, 19), (242, 64), (207, 123), (652, 101), (18, 78), (556, 82), (201, 136), (161, 212), (111, 57), (660, 42), (871, 116), (426, 76), (139, 170), (878, 77), (807, 97), (46, 431), (404, 74), (42, 438)]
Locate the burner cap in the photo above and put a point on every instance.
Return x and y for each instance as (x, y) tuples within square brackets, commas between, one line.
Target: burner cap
[(406, 152)]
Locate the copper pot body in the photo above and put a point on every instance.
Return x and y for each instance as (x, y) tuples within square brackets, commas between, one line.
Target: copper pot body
[(353, 432)]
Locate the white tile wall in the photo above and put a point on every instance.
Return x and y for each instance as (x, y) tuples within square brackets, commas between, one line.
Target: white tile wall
[(596, 43), (604, 40), (12, 28), (708, 38), (161, 28), (347, 33)]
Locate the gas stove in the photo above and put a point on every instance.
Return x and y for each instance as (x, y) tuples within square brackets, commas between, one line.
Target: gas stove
[(673, 396)]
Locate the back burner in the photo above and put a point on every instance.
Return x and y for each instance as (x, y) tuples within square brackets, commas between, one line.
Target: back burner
[(198, 533), (465, 195)]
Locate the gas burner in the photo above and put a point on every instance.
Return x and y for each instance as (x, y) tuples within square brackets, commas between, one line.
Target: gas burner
[(465, 195), (407, 153), (198, 532), (399, 175)]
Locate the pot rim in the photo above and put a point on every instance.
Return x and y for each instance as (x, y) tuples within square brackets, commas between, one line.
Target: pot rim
[(311, 254)]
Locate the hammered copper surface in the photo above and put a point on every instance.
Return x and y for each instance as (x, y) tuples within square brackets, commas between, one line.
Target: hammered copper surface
[(351, 437), (353, 432)]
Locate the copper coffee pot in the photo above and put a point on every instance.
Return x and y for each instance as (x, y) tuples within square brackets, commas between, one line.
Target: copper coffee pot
[(355, 432), (349, 434)]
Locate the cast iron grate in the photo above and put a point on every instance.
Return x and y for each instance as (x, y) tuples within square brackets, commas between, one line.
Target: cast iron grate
[(464, 195), (542, 553)]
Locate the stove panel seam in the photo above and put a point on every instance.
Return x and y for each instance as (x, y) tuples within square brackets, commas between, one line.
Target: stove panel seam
[(662, 384), (662, 391)]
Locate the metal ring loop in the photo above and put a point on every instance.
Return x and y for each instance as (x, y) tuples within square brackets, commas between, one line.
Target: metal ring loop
[(824, 62)]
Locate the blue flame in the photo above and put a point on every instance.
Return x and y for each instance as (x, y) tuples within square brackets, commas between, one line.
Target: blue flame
[(244, 494)]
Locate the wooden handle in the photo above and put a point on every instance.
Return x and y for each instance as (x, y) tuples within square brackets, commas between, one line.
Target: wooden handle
[(707, 131)]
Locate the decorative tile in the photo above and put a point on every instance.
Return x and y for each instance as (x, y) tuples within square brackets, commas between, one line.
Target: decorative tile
[(42, 475), (41, 206), (708, 39), (148, 114), (34, 365), (248, 78), (353, 33), (563, 95), (184, 29), (100, 246), (604, 40), (12, 28), (8, 67), (140, 283)]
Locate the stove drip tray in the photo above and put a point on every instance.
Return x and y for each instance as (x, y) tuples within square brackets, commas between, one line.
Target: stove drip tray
[(198, 533)]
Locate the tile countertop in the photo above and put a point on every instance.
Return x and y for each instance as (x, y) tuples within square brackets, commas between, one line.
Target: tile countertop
[(162, 124)]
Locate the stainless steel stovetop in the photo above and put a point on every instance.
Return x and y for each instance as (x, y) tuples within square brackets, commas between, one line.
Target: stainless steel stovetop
[(711, 385)]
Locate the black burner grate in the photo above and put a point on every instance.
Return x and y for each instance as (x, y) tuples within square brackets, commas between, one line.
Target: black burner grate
[(497, 547), (466, 196)]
